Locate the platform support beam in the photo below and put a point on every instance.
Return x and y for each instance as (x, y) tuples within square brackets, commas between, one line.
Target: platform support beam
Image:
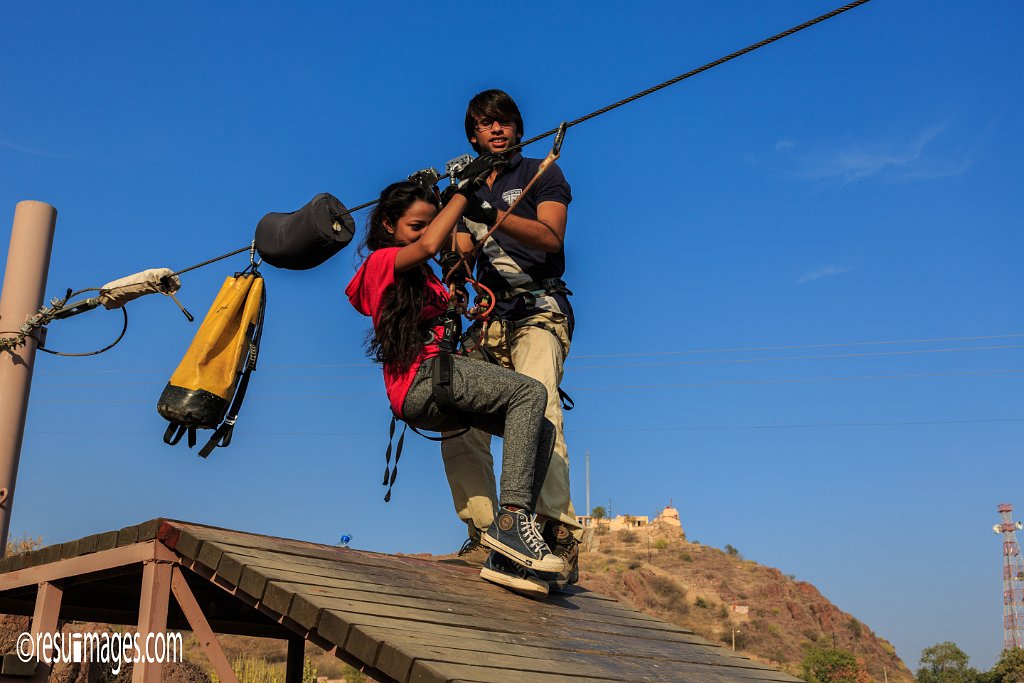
[(44, 620), (296, 660), (201, 628), (153, 604)]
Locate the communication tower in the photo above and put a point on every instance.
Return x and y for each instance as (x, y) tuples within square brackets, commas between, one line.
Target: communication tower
[(1013, 579)]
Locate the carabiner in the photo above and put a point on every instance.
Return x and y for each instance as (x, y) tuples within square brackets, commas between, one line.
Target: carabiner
[(252, 257)]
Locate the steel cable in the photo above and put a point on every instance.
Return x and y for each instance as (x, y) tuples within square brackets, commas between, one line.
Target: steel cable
[(694, 72), (575, 122), (671, 81)]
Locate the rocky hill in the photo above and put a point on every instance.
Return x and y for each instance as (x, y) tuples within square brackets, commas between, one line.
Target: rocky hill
[(776, 619)]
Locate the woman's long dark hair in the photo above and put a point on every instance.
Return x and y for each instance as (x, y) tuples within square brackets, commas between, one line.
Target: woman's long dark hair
[(399, 334)]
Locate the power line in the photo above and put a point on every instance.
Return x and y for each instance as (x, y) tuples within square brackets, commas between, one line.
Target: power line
[(375, 376), (815, 425), (802, 380), (628, 387), (272, 367), (687, 428), (732, 361), (794, 347), (573, 368)]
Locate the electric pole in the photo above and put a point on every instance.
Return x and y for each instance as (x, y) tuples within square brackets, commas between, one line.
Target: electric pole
[(28, 261), (588, 484)]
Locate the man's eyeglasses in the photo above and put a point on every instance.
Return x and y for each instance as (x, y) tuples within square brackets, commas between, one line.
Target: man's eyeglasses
[(487, 124)]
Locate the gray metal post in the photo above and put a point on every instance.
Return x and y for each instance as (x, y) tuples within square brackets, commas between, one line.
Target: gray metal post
[(24, 285), (588, 510)]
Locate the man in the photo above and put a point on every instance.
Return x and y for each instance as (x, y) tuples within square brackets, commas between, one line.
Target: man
[(531, 326)]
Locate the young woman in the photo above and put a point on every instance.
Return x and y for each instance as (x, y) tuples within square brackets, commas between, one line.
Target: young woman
[(399, 291)]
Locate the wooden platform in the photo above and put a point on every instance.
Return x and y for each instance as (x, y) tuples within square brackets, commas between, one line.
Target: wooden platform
[(397, 618)]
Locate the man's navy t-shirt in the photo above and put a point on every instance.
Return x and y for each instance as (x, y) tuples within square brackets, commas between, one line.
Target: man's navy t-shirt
[(504, 262)]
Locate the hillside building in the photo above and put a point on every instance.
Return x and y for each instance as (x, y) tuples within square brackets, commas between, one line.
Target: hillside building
[(668, 516)]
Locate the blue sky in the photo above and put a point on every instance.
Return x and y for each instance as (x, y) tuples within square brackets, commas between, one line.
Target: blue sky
[(735, 242)]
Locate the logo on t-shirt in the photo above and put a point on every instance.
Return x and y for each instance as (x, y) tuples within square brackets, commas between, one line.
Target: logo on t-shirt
[(510, 196)]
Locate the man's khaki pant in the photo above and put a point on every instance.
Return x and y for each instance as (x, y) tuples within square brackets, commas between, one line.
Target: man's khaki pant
[(536, 347)]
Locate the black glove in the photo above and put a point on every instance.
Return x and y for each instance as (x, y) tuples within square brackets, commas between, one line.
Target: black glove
[(479, 211), (476, 173), (449, 273)]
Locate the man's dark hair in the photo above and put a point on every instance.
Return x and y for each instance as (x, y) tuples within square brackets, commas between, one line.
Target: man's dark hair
[(492, 104)]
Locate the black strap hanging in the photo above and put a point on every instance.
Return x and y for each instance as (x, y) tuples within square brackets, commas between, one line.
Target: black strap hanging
[(567, 402), (222, 435), (391, 473)]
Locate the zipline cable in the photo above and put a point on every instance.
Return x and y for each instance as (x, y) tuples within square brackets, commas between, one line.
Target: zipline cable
[(671, 81), (694, 72), (603, 110), (213, 260), (553, 131)]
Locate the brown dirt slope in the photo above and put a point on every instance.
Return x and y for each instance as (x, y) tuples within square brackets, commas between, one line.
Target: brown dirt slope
[(699, 587)]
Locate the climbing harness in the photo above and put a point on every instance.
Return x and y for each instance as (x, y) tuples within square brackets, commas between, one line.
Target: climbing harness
[(441, 388), (531, 290)]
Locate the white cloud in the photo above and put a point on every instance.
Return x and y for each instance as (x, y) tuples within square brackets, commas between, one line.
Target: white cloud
[(818, 273), (35, 152), (897, 162)]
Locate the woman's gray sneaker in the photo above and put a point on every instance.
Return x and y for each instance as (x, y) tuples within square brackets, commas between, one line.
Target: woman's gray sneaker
[(504, 572), (514, 534)]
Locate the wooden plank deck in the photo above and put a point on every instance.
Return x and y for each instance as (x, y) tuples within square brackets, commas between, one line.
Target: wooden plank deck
[(404, 619)]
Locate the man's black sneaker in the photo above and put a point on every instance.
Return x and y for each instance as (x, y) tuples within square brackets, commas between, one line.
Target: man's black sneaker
[(561, 541), (504, 572), (514, 534)]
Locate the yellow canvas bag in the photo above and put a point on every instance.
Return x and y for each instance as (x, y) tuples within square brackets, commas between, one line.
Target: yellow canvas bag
[(207, 388)]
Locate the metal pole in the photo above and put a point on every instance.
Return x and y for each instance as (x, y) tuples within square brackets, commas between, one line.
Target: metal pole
[(588, 484), (28, 261)]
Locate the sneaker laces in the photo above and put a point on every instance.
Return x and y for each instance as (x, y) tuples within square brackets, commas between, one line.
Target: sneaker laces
[(469, 546), (531, 536)]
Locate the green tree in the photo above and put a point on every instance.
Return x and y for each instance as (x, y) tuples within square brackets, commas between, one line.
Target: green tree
[(945, 663), (1009, 668), (830, 665), (598, 513)]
